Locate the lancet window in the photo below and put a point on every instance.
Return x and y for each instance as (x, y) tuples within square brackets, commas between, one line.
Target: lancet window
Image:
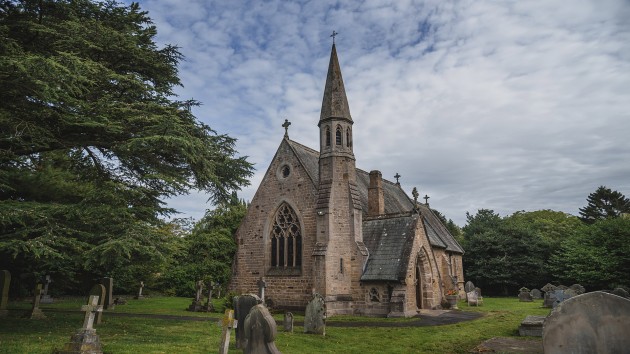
[(338, 136), (286, 239)]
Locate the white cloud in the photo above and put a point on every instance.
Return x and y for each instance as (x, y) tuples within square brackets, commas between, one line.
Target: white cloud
[(502, 105)]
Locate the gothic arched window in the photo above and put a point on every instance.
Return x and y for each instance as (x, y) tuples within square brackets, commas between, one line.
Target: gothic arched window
[(286, 239), (338, 136), (327, 136)]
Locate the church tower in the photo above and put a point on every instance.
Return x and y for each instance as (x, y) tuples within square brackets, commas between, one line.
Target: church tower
[(339, 253)]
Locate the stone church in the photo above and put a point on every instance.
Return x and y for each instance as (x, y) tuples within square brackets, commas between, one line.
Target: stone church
[(317, 223)]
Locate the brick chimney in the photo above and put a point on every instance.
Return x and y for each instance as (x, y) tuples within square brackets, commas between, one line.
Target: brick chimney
[(376, 203)]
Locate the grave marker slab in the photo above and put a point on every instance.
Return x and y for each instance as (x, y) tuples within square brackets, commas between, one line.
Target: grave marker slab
[(595, 322), (242, 305), (532, 326), (99, 291), (260, 331), (315, 316), (5, 283), (524, 295), (536, 294), (196, 305), (209, 306), (108, 283), (288, 322), (469, 286)]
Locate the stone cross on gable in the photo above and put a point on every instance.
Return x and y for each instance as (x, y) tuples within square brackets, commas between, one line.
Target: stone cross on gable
[(91, 309), (227, 323), (426, 199), (262, 284), (397, 176), (286, 125)]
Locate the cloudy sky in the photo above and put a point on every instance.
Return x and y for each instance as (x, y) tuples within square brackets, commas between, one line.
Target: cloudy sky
[(503, 105)]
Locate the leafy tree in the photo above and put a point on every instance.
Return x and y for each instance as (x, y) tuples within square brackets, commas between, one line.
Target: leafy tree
[(92, 141), (598, 256), (604, 203), (209, 250)]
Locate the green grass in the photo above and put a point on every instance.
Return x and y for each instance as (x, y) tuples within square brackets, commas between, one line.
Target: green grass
[(148, 335)]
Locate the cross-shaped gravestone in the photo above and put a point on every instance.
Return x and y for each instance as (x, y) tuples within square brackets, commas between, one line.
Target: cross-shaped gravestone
[(140, 296), (90, 309), (199, 290), (227, 323), (46, 282), (209, 305), (46, 299), (36, 312), (262, 284), (285, 125)]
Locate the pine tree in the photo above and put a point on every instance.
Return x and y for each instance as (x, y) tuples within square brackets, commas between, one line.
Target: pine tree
[(604, 203)]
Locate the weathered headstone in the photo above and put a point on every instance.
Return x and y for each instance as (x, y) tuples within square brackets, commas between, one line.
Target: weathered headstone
[(196, 305), (536, 294), (140, 296), (469, 286), (473, 298), (315, 315), (579, 289), (549, 297), (569, 293), (98, 290), (86, 340), (532, 326), (288, 322), (242, 305), (262, 284), (559, 296), (260, 331), (209, 306), (227, 323), (108, 283), (5, 283), (621, 292), (46, 298), (478, 291), (523, 295), (594, 322), (36, 312), (561, 287)]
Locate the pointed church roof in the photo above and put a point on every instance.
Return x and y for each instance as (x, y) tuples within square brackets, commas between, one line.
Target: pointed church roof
[(335, 102)]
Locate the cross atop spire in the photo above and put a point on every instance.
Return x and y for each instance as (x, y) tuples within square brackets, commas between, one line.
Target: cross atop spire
[(285, 125), (333, 35)]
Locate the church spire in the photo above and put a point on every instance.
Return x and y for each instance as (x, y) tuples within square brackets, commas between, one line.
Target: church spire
[(335, 102)]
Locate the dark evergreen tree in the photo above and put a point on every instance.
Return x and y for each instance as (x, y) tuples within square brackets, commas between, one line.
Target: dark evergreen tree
[(92, 141), (604, 203)]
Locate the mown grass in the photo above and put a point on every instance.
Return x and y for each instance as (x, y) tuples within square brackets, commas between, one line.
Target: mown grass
[(149, 335)]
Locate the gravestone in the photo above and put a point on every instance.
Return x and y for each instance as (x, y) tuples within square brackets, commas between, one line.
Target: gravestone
[(621, 292), (315, 316), (196, 303), (549, 297), (262, 284), (140, 296), (260, 331), (242, 305), (469, 286), (5, 283), (36, 312), (478, 291), (579, 289), (559, 296), (594, 322), (288, 322), (536, 294), (473, 298), (561, 287), (524, 296), (227, 323), (532, 326), (108, 283), (209, 306), (86, 340), (46, 298), (569, 293), (99, 291)]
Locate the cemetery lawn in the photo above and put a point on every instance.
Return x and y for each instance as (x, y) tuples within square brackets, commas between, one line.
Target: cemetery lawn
[(502, 317)]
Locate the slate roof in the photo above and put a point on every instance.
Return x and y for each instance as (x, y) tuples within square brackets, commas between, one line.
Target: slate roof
[(387, 238)]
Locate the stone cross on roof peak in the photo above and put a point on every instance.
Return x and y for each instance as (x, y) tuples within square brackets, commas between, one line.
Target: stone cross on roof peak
[(397, 176), (426, 199), (286, 125)]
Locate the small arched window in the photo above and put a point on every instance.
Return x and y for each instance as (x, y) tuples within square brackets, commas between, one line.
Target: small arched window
[(327, 136), (286, 239), (338, 136)]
